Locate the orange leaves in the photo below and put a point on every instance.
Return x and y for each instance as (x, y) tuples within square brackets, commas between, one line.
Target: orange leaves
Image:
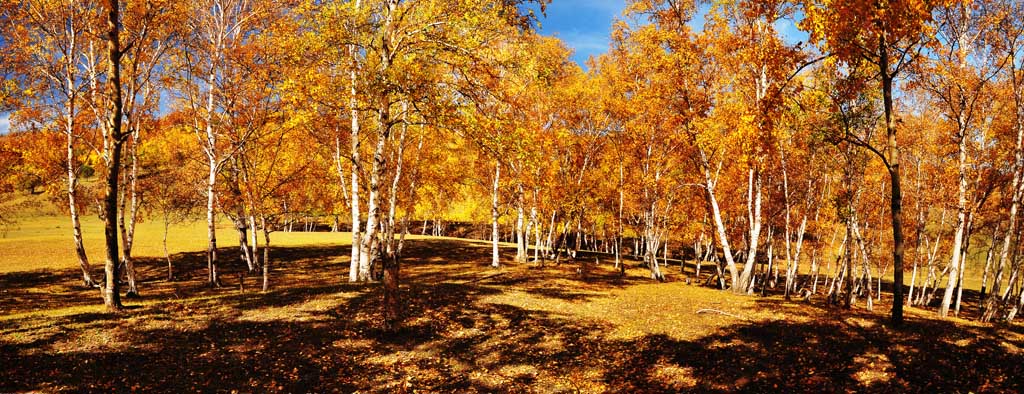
[(852, 29), (754, 70), (674, 14)]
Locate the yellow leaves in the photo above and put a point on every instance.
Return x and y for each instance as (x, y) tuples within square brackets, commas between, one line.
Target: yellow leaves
[(849, 28), (814, 21), (638, 7), (747, 128)]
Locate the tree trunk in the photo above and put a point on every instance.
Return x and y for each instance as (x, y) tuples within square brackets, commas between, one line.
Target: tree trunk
[(211, 220), (815, 268), (535, 218), (867, 264), (369, 243), (794, 271), (392, 306), (243, 241), (788, 233), (167, 254), (354, 262), (516, 230), (963, 263), (961, 225), (111, 293), (716, 214), (551, 234), (618, 222), (992, 304), (520, 230), (76, 226), (111, 288), (392, 265), (389, 237), (896, 197), (131, 215), (253, 239), (923, 296), (651, 253), (913, 278), (831, 281), (766, 271), (72, 172), (988, 260), (698, 258), (579, 236), (848, 262), (917, 233), (266, 254), (754, 213), (494, 216)]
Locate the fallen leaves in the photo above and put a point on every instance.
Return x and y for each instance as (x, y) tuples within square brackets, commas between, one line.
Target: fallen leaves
[(529, 330)]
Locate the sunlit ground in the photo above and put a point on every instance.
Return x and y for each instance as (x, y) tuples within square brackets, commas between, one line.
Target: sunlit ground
[(470, 328)]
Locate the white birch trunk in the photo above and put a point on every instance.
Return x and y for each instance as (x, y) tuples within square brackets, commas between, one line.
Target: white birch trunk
[(538, 243), (354, 261), (955, 263), (520, 231), (720, 231), (211, 223), (988, 260), (368, 243), (389, 237), (754, 213), (494, 216), (72, 187)]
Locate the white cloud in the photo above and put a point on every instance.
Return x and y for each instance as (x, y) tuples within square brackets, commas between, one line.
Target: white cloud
[(5, 123), (582, 25), (585, 42), (789, 32)]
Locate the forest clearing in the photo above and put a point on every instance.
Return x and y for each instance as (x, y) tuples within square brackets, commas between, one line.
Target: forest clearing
[(472, 328), (553, 196)]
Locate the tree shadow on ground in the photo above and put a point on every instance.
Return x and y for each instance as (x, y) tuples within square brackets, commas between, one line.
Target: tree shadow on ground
[(315, 333)]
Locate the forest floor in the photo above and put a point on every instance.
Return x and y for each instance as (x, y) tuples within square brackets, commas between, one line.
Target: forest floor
[(470, 328)]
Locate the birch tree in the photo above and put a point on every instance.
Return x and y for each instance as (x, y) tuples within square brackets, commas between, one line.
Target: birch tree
[(957, 74), (47, 51), (889, 35), (216, 28)]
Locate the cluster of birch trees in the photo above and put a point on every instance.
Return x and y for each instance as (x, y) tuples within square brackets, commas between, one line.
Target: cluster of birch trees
[(890, 142)]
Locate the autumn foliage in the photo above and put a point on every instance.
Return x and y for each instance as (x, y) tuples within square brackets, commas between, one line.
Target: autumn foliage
[(884, 139)]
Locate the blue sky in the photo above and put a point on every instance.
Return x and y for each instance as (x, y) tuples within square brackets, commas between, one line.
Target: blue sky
[(585, 25)]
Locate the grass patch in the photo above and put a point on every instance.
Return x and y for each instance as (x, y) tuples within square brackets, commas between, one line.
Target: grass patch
[(45, 242)]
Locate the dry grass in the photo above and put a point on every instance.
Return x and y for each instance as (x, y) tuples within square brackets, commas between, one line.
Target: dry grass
[(469, 328), (44, 242)]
